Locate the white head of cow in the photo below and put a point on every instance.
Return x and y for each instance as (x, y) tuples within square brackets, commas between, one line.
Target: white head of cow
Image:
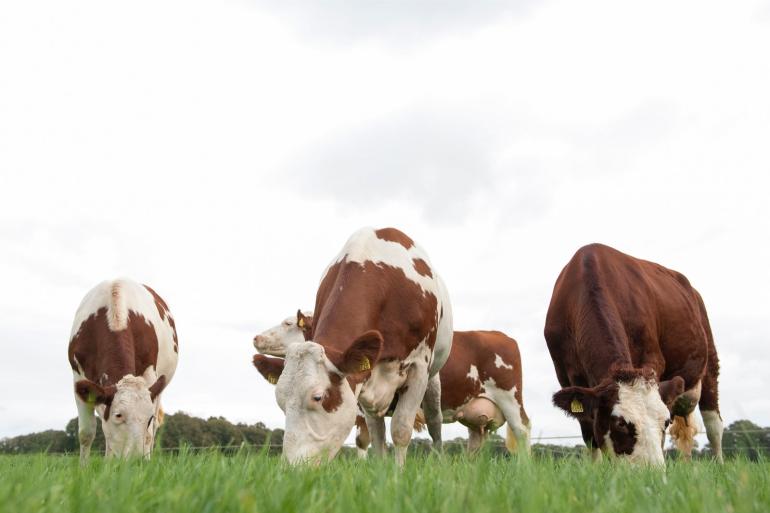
[(291, 331), (629, 412), (127, 412), (313, 392)]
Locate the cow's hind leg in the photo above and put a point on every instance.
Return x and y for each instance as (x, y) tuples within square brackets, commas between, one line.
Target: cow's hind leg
[(431, 406), (376, 428), (362, 439), (476, 438), (409, 401), (709, 410), (86, 429)]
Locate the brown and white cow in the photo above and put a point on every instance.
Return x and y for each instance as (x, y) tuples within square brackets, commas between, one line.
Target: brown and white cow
[(631, 344), (481, 382), (382, 328), (123, 353)]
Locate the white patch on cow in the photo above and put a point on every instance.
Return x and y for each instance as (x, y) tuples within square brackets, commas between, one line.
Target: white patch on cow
[(364, 246), (473, 373), (640, 403), (500, 364), (275, 340)]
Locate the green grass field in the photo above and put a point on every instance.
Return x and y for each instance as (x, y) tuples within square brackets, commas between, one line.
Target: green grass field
[(211, 482)]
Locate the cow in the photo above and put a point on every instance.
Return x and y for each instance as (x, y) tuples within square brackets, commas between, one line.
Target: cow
[(275, 340), (632, 347), (123, 353), (382, 330), (480, 383), (294, 329)]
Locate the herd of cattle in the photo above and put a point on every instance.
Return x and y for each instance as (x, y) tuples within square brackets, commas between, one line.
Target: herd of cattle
[(630, 342)]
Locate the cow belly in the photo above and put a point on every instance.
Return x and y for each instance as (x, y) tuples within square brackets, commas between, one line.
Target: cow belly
[(480, 412)]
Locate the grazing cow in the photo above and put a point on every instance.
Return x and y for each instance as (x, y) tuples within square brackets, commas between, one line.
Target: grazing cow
[(123, 353), (297, 329), (631, 344), (480, 383), (382, 329)]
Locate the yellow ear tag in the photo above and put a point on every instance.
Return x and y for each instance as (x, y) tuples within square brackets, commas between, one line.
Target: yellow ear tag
[(272, 379), (301, 323), (576, 406), (365, 365)]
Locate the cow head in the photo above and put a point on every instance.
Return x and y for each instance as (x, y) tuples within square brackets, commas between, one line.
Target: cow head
[(629, 412), (292, 330), (127, 412), (313, 392)]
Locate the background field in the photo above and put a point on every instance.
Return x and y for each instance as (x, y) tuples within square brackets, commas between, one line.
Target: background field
[(213, 482)]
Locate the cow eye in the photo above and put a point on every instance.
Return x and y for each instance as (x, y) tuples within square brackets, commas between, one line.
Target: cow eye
[(150, 421), (667, 423), (317, 397), (118, 415)]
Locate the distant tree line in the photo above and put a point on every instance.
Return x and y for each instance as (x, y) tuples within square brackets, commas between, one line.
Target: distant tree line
[(742, 437), (179, 429)]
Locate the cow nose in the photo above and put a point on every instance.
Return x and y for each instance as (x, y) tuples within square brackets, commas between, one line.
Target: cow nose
[(258, 341)]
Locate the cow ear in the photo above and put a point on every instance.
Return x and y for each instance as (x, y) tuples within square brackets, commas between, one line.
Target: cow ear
[(270, 368), (304, 323), (578, 402), (158, 387), (362, 354), (670, 390), (91, 393)]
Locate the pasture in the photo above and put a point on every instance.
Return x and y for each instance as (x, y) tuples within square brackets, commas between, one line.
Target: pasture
[(253, 482)]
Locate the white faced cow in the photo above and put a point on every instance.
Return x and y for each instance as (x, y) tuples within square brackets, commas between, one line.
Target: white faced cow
[(123, 353), (382, 331), (481, 383)]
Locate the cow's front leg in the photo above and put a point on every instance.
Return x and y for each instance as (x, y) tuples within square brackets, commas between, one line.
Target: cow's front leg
[(376, 427), (409, 399), (431, 405), (86, 429)]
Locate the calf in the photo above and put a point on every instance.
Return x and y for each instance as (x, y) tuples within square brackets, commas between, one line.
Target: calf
[(382, 329), (631, 344), (123, 353)]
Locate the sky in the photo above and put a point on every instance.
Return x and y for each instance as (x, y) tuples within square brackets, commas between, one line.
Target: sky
[(223, 151)]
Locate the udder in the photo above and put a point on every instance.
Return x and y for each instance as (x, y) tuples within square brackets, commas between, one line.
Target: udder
[(480, 413)]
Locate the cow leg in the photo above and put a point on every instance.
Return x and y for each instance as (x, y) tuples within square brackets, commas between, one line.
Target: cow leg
[(86, 429), (362, 439), (376, 428), (406, 409), (431, 406), (714, 430), (518, 422), (476, 438)]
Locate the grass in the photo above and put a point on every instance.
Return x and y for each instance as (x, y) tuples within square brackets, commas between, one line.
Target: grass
[(249, 482)]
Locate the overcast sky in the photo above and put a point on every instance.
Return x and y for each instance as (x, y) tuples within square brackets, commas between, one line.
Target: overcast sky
[(223, 151)]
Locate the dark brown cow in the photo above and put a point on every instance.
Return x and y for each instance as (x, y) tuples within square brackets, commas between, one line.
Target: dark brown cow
[(631, 344), (382, 329), (123, 352)]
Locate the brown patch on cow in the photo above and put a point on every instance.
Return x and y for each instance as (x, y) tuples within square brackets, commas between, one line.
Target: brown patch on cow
[(164, 313), (270, 368), (479, 348), (105, 356), (394, 235), (354, 298), (422, 267), (333, 396), (613, 317)]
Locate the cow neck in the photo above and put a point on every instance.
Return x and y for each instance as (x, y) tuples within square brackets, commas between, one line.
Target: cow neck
[(120, 359), (602, 332)]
